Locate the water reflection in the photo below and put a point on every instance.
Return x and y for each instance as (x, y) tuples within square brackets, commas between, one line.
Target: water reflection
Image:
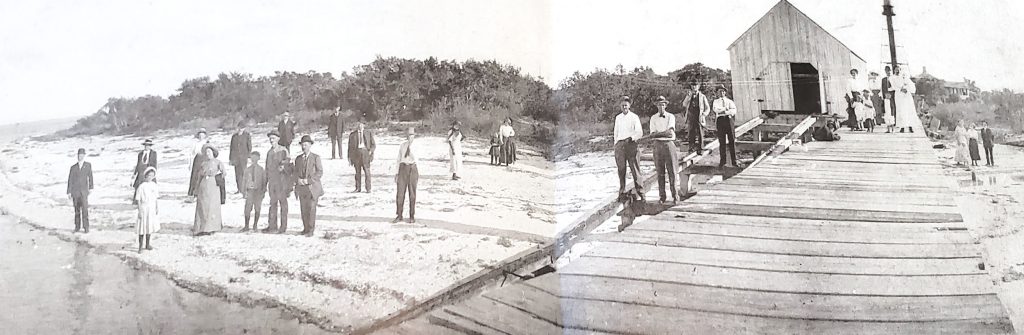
[(991, 180), (49, 286)]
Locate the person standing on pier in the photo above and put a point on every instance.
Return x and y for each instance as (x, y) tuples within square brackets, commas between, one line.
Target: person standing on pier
[(725, 110), (146, 159), (336, 131), (254, 183), (855, 86), (308, 170), (663, 131), (697, 108), (887, 106), (241, 146), (406, 178), (279, 184), (146, 198), (361, 146), (903, 90), (79, 185), (286, 129), (626, 133), (988, 141)]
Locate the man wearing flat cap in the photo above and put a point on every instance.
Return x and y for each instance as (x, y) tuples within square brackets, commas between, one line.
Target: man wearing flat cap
[(79, 184), (663, 132), (308, 171), (279, 184), (626, 133), (145, 160)]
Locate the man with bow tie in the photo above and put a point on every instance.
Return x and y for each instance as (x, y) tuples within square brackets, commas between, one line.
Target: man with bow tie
[(663, 132)]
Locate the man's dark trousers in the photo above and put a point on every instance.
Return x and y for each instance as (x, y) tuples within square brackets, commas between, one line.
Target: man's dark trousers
[(726, 133), (665, 160), (307, 205), (407, 178), (625, 154), (81, 203), (362, 165)]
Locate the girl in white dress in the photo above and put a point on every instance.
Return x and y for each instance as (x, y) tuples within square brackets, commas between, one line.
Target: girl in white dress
[(455, 150), (147, 198)]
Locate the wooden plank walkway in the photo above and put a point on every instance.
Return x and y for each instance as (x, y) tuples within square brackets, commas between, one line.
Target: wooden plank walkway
[(836, 240)]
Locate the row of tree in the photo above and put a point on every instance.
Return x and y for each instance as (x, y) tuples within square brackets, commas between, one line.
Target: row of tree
[(397, 89)]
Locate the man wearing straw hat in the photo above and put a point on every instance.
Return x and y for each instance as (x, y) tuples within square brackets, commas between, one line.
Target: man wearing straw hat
[(79, 184), (663, 132), (308, 170), (406, 178), (146, 159)]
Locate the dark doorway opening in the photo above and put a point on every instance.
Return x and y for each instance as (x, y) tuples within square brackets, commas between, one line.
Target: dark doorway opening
[(806, 88)]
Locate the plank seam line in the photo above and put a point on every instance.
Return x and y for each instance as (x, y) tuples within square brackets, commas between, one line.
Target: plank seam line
[(826, 181), (862, 162), (785, 215), (660, 281), (801, 184), (811, 227), (787, 271), (657, 244), (786, 239), (532, 314), (446, 310), (679, 209)]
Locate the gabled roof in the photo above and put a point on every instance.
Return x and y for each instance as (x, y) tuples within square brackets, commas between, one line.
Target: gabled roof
[(786, 3)]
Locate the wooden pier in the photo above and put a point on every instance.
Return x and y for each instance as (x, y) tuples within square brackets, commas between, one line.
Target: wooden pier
[(858, 236)]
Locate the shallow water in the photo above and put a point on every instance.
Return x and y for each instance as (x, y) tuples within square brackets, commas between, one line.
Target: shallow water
[(991, 180), (49, 286)]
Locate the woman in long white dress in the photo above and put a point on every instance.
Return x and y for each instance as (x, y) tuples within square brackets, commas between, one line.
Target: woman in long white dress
[(146, 198), (963, 156), (903, 90), (455, 150), (208, 200)]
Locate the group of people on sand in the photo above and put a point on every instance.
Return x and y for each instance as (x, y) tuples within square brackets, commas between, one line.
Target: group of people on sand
[(280, 176), (967, 138), (889, 101), (628, 133)]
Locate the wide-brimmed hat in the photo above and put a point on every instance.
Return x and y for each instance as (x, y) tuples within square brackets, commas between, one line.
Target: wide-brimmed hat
[(81, 151), (215, 152), (147, 142), (273, 133), (306, 139), (144, 173), (661, 99), (201, 131)]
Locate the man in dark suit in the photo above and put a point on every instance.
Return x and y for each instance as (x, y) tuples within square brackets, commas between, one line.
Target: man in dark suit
[(286, 128), (255, 186), (241, 146), (79, 185), (889, 100), (146, 159), (336, 131), (279, 184), (988, 141), (308, 171), (360, 153)]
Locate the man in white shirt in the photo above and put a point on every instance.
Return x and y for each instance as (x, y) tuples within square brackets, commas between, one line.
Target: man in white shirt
[(663, 131), (627, 131), (406, 178), (725, 110)]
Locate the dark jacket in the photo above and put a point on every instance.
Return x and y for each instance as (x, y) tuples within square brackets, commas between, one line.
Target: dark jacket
[(241, 146), (279, 174), (258, 175), (987, 137), (336, 126), (286, 130), (80, 180), (311, 169), (353, 144), (140, 166)]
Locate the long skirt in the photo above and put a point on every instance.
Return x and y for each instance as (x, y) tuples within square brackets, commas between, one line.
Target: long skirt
[(208, 215), (975, 155), (455, 162), (508, 152), (962, 154)]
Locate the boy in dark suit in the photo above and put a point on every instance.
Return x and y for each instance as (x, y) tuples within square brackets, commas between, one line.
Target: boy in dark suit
[(254, 184), (79, 185)]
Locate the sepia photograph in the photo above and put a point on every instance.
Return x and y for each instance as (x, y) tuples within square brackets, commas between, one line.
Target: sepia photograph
[(401, 167)]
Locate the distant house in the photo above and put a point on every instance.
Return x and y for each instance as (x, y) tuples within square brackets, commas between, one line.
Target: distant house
[(787, 63), (961, 89)]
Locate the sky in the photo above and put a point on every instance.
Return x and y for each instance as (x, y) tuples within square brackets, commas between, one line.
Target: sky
[(65, 58)]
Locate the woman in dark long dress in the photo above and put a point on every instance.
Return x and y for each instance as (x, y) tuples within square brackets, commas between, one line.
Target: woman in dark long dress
[(972, 136)]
